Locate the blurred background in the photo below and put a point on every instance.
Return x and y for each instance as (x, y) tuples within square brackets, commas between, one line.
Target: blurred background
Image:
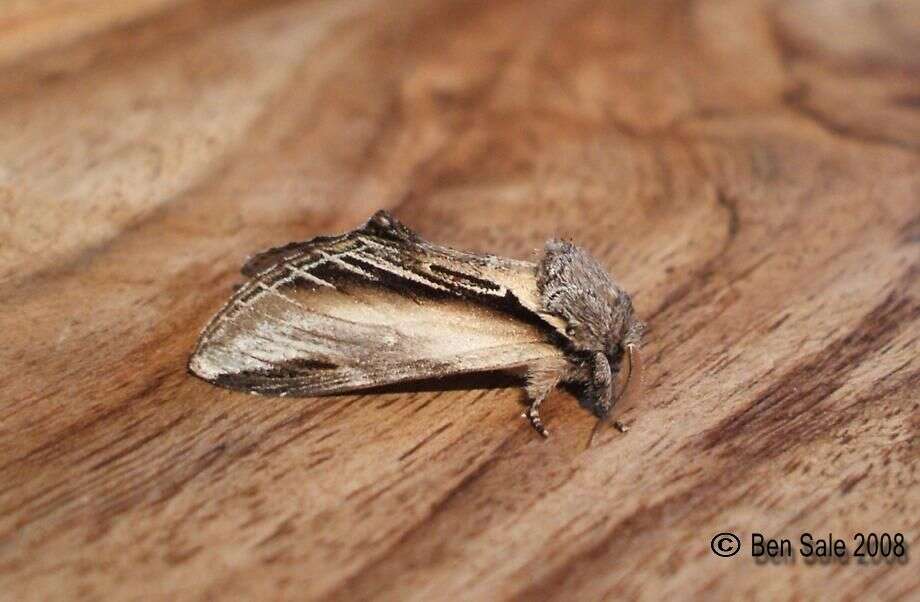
[(748, 170)]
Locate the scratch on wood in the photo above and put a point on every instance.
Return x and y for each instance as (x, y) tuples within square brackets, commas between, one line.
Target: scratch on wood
[(419, 445)]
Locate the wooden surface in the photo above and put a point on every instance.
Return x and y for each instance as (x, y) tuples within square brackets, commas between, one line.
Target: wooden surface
[(748, 170)]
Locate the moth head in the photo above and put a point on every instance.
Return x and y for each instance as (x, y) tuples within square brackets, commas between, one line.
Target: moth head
[(625, 362), (627, 390)]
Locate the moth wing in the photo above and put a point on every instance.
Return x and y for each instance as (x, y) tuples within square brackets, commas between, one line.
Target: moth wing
[(384, 238), (341, 314)]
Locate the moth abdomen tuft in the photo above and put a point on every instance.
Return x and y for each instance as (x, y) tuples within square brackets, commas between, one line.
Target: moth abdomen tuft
[(385, 225)]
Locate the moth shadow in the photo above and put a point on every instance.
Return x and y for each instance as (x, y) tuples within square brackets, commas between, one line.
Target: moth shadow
[(456, 382)]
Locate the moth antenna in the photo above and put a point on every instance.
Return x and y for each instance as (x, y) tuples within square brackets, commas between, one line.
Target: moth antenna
[(629, 391)]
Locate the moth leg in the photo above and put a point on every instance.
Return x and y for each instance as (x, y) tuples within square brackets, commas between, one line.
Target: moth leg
[(533, 416), (542, 378)]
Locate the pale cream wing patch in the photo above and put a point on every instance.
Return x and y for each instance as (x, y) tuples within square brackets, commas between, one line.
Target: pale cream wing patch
[(518, 278), (316, 338), (485, 275)]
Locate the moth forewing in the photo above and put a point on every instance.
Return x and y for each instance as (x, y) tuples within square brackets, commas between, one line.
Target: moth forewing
[(364, 310), (379, 305), (312, 340)]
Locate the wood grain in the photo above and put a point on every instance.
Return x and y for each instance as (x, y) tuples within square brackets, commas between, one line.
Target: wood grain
[(748, 170)]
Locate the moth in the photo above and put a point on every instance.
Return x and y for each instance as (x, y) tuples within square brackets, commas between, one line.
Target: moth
[(379, 305)]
